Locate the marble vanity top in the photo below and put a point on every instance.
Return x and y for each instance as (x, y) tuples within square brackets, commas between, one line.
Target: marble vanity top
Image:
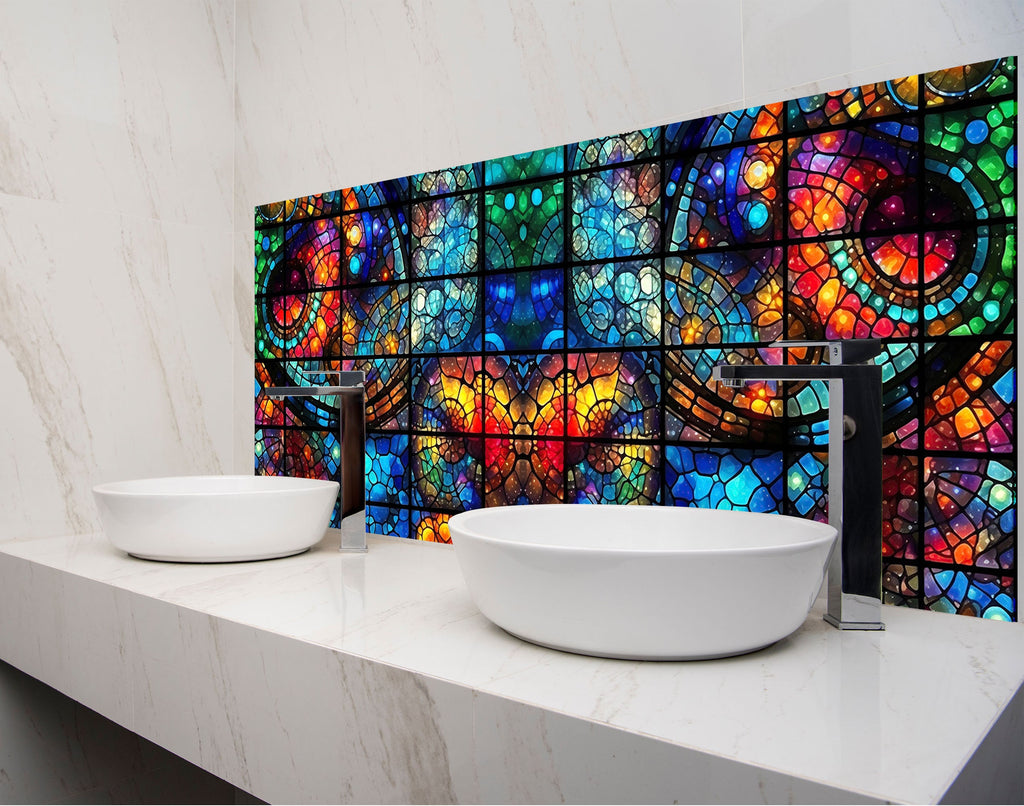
[(330, 677)]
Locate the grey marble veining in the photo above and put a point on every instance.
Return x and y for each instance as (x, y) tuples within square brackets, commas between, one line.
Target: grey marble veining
[(373, 678)]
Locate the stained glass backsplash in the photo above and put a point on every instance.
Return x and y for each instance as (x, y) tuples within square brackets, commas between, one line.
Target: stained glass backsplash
[(542, 327)]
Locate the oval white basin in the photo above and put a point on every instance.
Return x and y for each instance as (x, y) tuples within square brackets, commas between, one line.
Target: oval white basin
[(210, 519), (642, 582)]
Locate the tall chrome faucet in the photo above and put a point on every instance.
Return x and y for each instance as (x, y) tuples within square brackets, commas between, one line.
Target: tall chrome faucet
[(351, 393), (854, 469)]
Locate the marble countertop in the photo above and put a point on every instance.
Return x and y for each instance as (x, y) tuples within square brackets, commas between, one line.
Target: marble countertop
[(823, 714)]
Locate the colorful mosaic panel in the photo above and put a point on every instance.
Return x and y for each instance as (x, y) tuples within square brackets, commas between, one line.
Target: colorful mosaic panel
[(724, 297), (612, 473), (845, 106), (521, 470), (754, 123), (523, 225), (718, 478), (387, 388), (524, 311), (431, 526), (970, 512), (969, 281), (615, 304), (445, 315), (375, 321), (446, 394), (972, 594), (445, 238), (449, 180), (616, 213), (543, 327), (720, 198), (387, 468), (854, 180), (639, 145), (971, 156), (525, 166), (387, 520), (613, 395), (373, 244)]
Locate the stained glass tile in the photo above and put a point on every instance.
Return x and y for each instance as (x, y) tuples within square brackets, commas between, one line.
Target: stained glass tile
[(754, 123), (445, 236), (448, 180), (612, 473), (855, 288), (387, 468), (523, 225), (970, 512), (616, 213), (986, 79), (314, 248), (269, 256), (269, 452), (269, 412), (300, 325), (445, 315), (637, 145), (855, 103), (901, 584), (446, 394), (613, 395), (385, 520), (271, 213), (387, 389), (970, 281), (378, 194), (972, 397), (615, 304), (972, 594), (524, 311), (375, 246), (807, 485), (716, 297), (723, 478), (311, 454), (524, 396), (527, 165), (431, 526), (855, 180), (523, 470), (375, 320), (901, 524), (970, 155), (724, 198), (446, 471)]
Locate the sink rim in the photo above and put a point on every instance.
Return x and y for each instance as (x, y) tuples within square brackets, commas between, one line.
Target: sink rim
[(812, 533), (262, 485)]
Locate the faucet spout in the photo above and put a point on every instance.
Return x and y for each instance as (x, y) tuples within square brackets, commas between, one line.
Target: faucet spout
[(350, 389), (854, 469)]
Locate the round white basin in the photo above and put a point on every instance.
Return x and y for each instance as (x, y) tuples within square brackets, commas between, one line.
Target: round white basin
[(209, 519), (642, 582)]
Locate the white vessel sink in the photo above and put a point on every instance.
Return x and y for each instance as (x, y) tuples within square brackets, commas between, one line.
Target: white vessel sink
[(210, 519), (642, 582)]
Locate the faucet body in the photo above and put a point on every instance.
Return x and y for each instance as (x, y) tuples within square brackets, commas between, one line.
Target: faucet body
[(351, 394), (854, 596)]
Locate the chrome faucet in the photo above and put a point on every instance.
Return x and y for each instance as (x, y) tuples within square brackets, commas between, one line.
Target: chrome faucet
[(854, 598), (351, 393)]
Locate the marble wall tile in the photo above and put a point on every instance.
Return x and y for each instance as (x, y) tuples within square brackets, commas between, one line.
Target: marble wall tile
[(813, 45), (119, 105), (115, 340)]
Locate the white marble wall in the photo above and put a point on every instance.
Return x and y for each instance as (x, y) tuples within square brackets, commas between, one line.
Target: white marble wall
[(116, 316), (331, 95), (116, 309)]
